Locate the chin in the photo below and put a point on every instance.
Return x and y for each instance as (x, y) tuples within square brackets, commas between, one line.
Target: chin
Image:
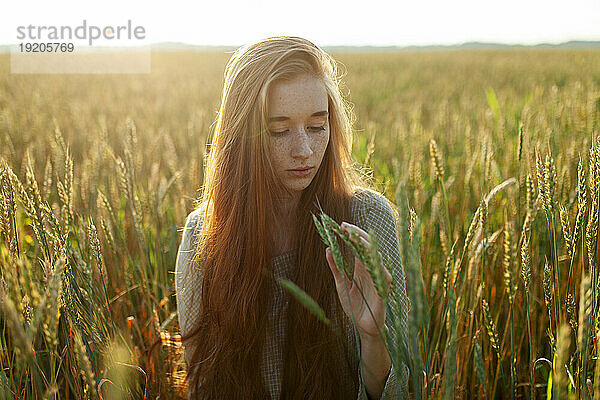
[(298, 188)]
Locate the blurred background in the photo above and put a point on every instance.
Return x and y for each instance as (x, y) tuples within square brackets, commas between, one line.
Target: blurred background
[(480, 121)]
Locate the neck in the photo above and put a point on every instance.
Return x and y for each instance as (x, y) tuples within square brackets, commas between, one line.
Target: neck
[(285, 210), (284, 228)]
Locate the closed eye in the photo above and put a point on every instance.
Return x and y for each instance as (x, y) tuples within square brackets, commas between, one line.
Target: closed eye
[(312, 128), (278, 133)]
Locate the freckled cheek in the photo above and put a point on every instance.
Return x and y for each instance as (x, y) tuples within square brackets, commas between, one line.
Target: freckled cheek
[(282, 148), (320, 144)]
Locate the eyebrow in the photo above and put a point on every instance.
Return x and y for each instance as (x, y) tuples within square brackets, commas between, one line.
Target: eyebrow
[(317, 114)]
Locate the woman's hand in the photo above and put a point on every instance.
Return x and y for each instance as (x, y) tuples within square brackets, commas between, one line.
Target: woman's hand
[(366, 325)]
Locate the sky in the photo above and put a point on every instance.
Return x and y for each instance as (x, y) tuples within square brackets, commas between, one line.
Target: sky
[(325, 22)]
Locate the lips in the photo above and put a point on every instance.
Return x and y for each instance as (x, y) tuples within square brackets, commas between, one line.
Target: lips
[(301, 169), (301, 172)]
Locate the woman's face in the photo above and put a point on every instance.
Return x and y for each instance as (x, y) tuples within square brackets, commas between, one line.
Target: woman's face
[(298, 129)]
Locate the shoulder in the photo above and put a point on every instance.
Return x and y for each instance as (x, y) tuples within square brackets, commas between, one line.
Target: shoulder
[(368, 205), (188, 279), (192, 227), (193, 219), (189, 239), (376, 215)]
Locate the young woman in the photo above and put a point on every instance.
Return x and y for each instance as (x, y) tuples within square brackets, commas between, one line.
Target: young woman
[(281, 151)]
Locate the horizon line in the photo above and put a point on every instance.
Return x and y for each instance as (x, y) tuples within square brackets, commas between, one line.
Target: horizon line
[(475, 43)]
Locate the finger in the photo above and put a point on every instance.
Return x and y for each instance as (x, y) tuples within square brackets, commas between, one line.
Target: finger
[(332, 265), (361, 270), (346, 226), (361, 273), (364, 241), (388, 278), (358, 264), (338, 276), (362, 235)]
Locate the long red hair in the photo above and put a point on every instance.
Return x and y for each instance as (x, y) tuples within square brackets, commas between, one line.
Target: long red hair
[(235, 250)]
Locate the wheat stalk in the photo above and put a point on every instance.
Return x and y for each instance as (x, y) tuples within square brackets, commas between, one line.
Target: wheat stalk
[(85, 366), (47, 186), (436, 161), (548, 298), (526, 275), (566, 230), (451, 347), (585, 314), (448, 269), (560, 381), (510, 285)]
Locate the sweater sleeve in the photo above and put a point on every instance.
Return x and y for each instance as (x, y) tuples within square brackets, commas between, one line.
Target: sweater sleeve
[(381, 221), (188, 279)]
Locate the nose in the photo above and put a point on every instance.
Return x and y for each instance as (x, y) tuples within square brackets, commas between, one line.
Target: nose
[(301, 147)]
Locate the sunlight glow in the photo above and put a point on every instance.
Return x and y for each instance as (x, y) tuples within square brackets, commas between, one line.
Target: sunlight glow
[(326, 23)]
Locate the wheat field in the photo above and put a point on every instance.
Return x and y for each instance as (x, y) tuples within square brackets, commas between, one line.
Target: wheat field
[(491, 156)]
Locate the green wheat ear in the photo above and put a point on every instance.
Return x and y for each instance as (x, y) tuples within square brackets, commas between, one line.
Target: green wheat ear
[(329, 226), (320, 229), (304, 299), (370, 257)]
